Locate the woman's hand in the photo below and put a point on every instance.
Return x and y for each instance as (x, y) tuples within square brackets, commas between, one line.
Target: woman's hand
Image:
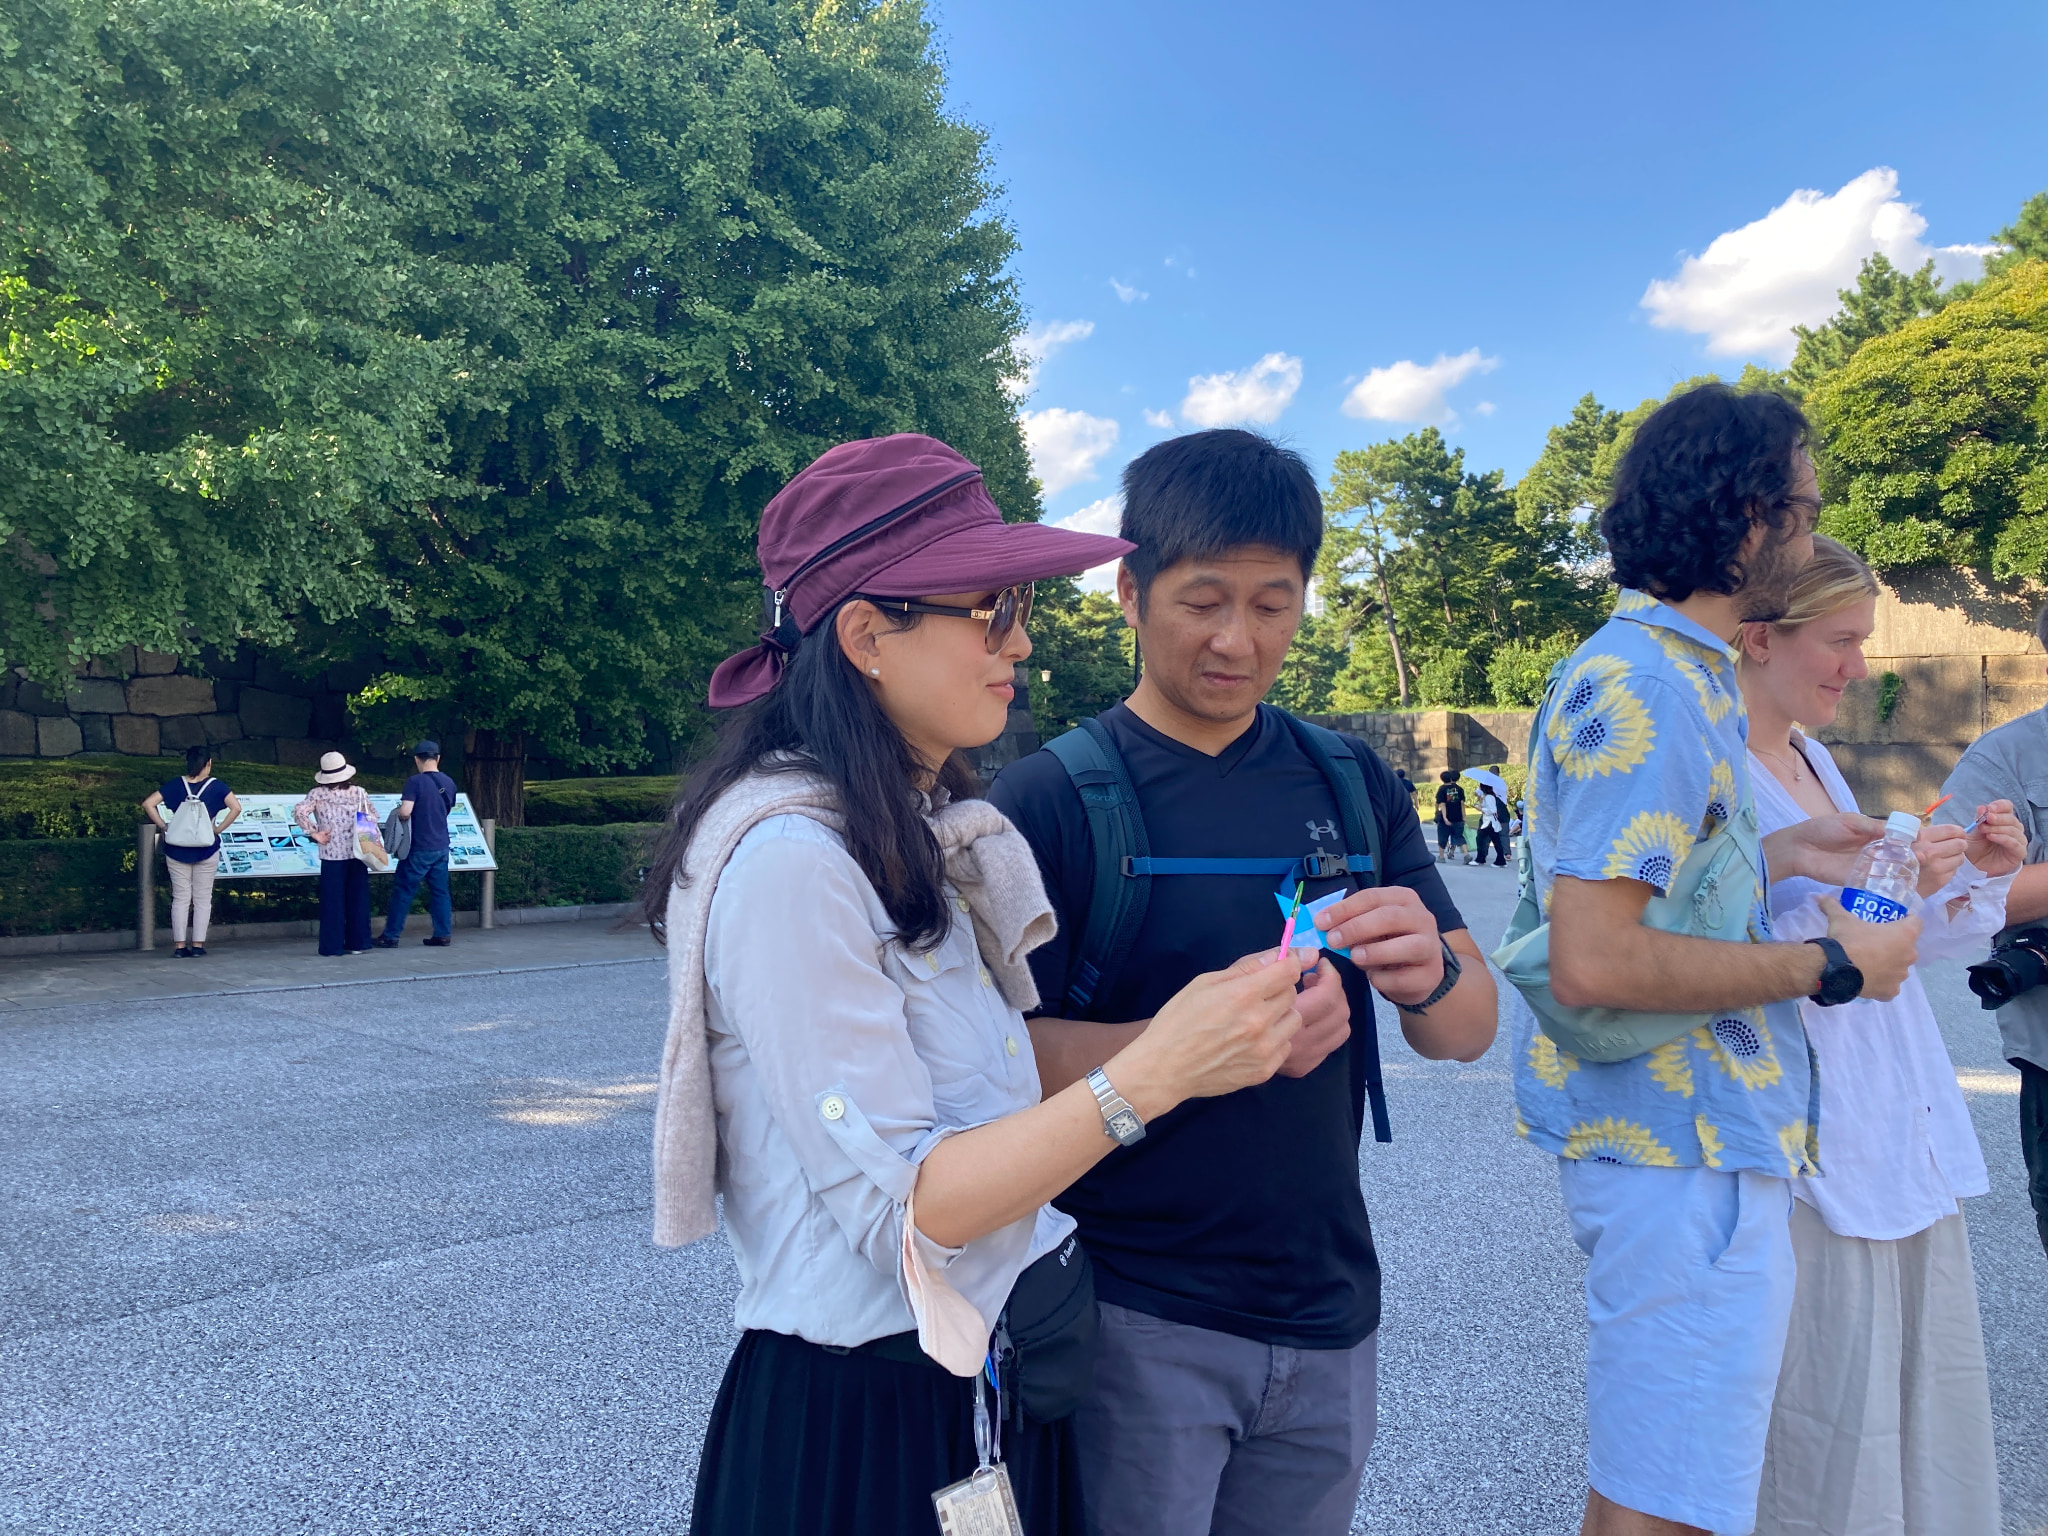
[(1222, 1031), (320, 837), (1940, 852), (1823, 848), (1999, 844)]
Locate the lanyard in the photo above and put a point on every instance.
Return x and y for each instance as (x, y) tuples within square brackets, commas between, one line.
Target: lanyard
[(988, 1444)]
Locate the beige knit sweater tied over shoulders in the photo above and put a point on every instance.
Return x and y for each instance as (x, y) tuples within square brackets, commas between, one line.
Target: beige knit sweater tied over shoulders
[(987, 860)]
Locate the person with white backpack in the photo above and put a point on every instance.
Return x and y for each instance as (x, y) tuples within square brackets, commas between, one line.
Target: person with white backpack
[(192, 845)]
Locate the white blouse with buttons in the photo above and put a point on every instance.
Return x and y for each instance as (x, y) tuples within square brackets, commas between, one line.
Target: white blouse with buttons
[(839, 1059)]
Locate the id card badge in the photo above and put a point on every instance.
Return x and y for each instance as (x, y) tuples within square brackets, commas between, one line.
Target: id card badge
[(984, 1504)]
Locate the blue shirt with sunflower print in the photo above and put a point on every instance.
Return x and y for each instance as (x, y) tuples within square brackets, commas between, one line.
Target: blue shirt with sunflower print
[(1642, 752)]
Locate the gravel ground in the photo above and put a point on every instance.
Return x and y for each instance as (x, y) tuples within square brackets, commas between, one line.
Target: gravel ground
[(375, 1260)]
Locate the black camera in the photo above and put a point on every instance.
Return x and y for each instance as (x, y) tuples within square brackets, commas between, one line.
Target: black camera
[(2018, 965)]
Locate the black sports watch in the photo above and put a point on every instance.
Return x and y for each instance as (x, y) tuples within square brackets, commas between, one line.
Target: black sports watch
[(1452, 971), (1840, 981)]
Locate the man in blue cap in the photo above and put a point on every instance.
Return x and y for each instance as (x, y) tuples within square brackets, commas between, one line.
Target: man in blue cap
[(429, 797)]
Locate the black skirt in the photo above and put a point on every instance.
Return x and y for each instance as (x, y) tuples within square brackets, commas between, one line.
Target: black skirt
[(807, 1442)]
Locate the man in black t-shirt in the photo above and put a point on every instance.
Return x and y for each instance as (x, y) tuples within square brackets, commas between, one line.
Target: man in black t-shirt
[(1235, 1387), (428, 797), (1450, 817)]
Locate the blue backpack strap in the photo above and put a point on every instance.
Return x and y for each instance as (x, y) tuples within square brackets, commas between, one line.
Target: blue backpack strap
[(1340, 767), (1123, 877)]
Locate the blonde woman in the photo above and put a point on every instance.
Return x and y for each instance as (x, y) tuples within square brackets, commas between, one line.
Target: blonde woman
[(1882, 1421), (328, 814)]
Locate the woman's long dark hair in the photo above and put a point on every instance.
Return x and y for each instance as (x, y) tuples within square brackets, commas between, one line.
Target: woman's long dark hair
[(823, 718)]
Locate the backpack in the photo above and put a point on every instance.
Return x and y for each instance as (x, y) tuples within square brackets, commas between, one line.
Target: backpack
[(1124, 868), (191, 824), (1709, 898)]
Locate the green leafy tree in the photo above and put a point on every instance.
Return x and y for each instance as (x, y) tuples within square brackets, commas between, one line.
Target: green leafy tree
[(716, 238), (1935, 437), (1307, 681), (214, 395), (1519, 667), (1558, 498), (1883, 299), (1081, 656), (2024, 239)]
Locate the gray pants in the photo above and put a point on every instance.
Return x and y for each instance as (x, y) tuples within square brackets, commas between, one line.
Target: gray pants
[(1189, 1431)]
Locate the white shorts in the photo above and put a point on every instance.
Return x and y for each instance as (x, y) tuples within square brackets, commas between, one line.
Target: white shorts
[(1689, 1285)]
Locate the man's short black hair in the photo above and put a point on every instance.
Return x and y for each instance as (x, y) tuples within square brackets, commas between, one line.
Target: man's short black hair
[(1197, 496), (1449, 775), (1703, 469)]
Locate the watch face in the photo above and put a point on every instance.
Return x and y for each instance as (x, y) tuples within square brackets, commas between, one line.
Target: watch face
[(1126, 1126), (1840, 984)]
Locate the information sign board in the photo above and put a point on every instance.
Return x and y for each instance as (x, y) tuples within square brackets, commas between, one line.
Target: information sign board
[(265, 842)]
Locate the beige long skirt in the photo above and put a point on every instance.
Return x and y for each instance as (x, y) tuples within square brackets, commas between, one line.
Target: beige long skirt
[(1882, 1422)]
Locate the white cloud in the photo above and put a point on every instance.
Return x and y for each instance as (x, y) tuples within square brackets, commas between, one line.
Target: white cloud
[(1130, 293), (1258, 393), (1411, 391), (1163, 420), (1064, 445), (1039, 343), (1104, 516), (1747, 290), (1484, 408)]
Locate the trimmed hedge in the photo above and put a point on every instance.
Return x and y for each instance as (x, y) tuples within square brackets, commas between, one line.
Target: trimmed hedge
[(100, 795), (598, 802), (87, 884)]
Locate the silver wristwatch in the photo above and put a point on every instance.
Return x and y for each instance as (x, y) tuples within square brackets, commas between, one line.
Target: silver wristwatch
[(1119, 1120)]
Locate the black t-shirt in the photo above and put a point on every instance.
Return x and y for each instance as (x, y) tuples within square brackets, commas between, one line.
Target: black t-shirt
[(1450, 804), (432, 795), (1242, 1214)]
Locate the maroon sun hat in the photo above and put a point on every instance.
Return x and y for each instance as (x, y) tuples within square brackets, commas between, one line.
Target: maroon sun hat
[(901, 516)]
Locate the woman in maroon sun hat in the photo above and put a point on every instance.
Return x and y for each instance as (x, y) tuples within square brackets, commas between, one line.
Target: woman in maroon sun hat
[(847, 1064)]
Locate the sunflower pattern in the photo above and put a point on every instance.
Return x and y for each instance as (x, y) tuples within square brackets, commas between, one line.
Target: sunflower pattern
[(1611, 1140), (1740, 1045), (1711, 673), (1644, 756), (1671, 1067), (1720, 799), (1650, 850), (1597, 724), (1548, 1062)]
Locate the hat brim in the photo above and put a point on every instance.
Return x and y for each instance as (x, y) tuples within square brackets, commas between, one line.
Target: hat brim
[(986, 555), (339, 776)]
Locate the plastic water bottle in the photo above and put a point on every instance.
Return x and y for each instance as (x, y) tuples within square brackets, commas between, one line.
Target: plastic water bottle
[(1887, 877)]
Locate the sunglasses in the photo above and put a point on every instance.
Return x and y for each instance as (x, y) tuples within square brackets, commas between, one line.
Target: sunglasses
[(1007, 609)]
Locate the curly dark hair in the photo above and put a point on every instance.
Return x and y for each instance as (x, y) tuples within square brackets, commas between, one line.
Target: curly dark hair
[(1702, 471)]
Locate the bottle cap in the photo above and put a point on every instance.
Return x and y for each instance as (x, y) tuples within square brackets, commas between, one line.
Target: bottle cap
[(1903, 824)]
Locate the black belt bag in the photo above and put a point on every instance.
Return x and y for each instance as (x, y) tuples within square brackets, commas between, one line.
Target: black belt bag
[(1045, 1338)]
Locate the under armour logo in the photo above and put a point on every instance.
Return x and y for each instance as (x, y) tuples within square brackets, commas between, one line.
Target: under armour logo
[(1329, 830)]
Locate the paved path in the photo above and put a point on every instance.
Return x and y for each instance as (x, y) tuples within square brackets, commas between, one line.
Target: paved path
[(374, 1258)]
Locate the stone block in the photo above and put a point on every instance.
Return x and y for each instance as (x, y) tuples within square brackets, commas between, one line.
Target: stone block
[(1940, 698), (269, 674), (136, 735), (248, 751), (58, 736), (222, 727), (160, 695), (96, 696), (330, 716), (2014, 686), (297, 751), (227, 696), (1887, 777), (17, 734), (182, 731), (97, 732), (237, 664), (155, 663), (35, 699), (102, 666), (10, 685), (265, 713)]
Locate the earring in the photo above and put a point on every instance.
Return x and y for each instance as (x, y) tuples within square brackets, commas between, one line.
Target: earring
[(874, 671)]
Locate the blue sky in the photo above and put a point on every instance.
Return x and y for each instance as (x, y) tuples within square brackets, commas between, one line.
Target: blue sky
[(1473, 200)]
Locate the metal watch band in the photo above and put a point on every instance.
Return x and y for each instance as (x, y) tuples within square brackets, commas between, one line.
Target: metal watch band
[(1453, 969), (1120, 1122)]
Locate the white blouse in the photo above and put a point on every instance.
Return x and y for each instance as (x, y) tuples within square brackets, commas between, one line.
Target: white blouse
[(839, 1059), (1897, 1150)]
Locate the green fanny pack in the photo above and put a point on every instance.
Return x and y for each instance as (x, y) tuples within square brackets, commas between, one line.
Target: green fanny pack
[(1709, 898)]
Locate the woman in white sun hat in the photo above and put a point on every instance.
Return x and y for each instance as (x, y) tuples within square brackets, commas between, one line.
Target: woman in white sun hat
[(328, 813)]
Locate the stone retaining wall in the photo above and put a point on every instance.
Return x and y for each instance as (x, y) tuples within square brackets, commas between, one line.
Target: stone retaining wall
[(1427, 741)]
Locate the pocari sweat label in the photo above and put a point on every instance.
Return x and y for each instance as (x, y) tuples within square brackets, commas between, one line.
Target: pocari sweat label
[(1870, 906)]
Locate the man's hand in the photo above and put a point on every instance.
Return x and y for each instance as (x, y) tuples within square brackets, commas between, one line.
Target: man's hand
[(1939, 850), (1392, 937), (1325, 1022), (1883, 952), (1999, 845), (1822, 848)]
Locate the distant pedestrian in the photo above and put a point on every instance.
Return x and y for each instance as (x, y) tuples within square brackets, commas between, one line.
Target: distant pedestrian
[(192, 845), (1407, 787), (1450, 818), (329, 814), (429, 797), (1493, 826)]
